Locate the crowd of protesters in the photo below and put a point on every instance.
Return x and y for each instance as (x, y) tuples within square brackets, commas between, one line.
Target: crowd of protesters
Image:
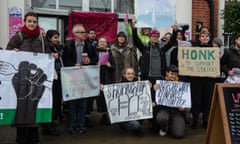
[(157, 61)]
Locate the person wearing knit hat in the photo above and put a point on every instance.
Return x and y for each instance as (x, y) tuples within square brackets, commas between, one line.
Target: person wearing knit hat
[(153, 62), (217, 42), (154, 32)]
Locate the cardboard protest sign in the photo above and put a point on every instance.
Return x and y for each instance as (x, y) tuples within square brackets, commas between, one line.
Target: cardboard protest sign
[(173, 94), (128, 101), (199, 61), (25, 87), (80, 82)]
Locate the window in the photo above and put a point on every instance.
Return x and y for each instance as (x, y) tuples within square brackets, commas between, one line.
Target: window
[(100, 5), (119, 6), (44, 4), (122, 6), (70, 4)]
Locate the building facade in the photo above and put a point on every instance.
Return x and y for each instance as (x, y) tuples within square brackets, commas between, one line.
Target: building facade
[(54, 13)]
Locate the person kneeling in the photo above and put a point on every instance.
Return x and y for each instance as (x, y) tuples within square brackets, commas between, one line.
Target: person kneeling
[(169, 119)]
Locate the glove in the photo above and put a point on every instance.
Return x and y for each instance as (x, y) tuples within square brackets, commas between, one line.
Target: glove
[(28, 86)]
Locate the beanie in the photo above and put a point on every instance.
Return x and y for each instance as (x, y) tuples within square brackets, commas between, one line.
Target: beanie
[(218, 41), (154, 31)]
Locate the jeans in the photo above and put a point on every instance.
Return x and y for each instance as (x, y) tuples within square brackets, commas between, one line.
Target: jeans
[(77, 113)]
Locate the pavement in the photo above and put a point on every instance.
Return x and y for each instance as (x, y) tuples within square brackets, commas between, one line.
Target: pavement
[(101, 134)]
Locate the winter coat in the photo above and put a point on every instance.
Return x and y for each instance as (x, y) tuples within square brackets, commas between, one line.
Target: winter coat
[(144, 61), (30, 44), (230, 59), (58, 62), (70, 56), (124, 59)]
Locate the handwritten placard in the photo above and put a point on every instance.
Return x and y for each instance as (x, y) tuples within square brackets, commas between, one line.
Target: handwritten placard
[(173, 94), (199, 61), (128, 101)]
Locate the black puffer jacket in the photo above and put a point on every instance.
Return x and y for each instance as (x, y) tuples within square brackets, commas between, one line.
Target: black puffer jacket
[(230, 59)]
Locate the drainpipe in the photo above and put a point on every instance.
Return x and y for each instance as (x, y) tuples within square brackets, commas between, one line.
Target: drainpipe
[(211, 6)]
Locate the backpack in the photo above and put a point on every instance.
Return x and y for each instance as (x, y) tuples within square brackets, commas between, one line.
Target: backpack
[(40, 37)]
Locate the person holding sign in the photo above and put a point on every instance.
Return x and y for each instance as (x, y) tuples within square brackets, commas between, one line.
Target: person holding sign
[(231, 59), (169, 118), (78, 53), (201, 89), (135, 126), (107, 67), (28, 39)]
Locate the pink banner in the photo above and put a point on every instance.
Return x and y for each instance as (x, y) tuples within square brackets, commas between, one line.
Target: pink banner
[(104, 23), (15, 20)]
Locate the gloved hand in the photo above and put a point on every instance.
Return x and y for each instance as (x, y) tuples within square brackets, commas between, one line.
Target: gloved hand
[(28, 85)]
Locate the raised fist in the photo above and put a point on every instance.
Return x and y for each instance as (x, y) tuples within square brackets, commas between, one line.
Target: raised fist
[(29, 88)]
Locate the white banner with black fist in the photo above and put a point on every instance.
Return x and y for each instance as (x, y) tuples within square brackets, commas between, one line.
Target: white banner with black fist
[(25, 87)]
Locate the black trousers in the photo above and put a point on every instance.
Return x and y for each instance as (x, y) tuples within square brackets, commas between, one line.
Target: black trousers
[(201, 96), (27, 135), (57, 99)]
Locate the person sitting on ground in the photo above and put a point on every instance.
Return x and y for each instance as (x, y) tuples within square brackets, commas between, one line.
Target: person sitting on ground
[(169, 119)]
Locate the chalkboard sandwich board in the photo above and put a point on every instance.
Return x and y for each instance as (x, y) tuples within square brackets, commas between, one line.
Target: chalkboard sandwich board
[(224, 120)]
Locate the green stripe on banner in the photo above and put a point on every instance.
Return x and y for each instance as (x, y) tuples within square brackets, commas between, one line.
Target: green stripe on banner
[(43, 115)]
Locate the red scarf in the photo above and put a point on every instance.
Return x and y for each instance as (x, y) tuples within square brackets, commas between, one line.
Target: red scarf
[(31, 33)]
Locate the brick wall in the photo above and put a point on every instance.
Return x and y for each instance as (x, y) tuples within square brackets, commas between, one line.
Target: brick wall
[(201, 13)]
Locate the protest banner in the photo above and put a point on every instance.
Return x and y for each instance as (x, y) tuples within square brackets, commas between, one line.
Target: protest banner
[(173, 94), (105, 24), (128, 101), (80, 82), (25, 87), (199, 61), (155, 13)]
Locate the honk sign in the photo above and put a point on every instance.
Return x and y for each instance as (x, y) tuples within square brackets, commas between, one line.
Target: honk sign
[(199, 61)]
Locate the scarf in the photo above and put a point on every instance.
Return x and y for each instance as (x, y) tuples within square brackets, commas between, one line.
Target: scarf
[(168, 79), (31, 33)]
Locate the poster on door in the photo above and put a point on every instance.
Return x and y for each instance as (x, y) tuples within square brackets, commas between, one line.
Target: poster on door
[(15, 20)]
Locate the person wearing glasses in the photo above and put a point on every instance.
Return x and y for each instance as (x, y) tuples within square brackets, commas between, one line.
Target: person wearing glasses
[(73, 56)]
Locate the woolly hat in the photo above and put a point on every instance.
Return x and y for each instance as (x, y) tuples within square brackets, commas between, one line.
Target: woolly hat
[(154, 31), (218, 41)]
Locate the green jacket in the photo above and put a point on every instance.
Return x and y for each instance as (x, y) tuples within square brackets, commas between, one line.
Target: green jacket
[(144, 38)]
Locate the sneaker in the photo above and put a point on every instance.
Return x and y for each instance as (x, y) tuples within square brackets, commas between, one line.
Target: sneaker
[(81, 129), (162, 133)]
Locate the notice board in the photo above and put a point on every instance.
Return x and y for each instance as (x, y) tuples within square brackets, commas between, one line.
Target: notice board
[(224, 119)]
